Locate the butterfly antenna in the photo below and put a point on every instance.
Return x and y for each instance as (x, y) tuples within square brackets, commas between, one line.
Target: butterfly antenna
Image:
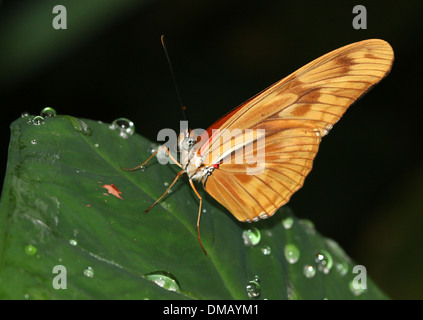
[(183, 108)]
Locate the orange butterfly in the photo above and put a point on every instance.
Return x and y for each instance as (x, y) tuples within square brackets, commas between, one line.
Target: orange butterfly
[(289, 118)]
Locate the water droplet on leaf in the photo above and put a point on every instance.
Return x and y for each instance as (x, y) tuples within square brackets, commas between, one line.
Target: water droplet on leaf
[(309, 271), (164, 280), (30, 250), (324, 261), (80, 126), (162, 156), (287, 222), (125, 126), (48, 112), (251, 237), (266, 250), (141, 168), (292, 253), (89, 272), (38, 120), (152, 149), (253, 288), (165, 205)]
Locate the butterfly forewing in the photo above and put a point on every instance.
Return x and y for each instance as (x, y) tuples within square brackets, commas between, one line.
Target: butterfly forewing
[(294, 113)]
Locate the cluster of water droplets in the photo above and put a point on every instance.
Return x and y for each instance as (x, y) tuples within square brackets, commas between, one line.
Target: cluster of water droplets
[(123, 126), (322, 262), (329, 258), (40, 119)]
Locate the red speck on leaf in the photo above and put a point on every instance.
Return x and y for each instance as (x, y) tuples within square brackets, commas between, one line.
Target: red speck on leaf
[(111, 188)]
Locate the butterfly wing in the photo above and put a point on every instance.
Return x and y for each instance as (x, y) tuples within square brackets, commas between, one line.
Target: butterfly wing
[(288, 159), (295, 113)]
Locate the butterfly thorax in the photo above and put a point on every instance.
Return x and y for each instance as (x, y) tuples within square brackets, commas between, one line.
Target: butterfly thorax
[(191, 158)]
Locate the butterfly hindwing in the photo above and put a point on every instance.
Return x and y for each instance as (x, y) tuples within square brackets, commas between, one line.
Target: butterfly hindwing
[(257, 189)]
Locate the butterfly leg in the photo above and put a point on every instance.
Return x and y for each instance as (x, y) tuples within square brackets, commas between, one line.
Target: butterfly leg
[(155, 153), (199, 214), (171, 185)]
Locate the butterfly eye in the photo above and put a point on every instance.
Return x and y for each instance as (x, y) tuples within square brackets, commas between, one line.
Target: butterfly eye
[(188, 143)]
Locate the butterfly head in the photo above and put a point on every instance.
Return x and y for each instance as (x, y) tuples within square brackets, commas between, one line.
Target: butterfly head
[(186, 140)]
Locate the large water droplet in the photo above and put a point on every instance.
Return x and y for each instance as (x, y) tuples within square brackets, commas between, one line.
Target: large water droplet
[(251, 237), (125, 126), (309, 271), (253, 288), (164, 279), (48, 112), (89, 272), (292, 253), (30, 250), (324, 261)]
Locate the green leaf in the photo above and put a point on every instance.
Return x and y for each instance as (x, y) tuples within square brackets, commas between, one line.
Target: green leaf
[(60, 227)]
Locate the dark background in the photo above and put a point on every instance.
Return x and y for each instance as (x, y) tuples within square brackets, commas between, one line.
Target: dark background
[(366, 188)]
